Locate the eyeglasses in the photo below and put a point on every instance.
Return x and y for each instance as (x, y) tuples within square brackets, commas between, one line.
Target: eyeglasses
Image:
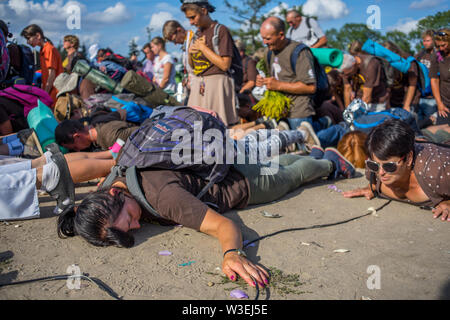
[(389, 167)]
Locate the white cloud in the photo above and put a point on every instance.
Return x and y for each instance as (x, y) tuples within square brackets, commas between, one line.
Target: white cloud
[(405, 25), (276, 11), (111, 15), (326, 9), (424, 4), (158, 19), (52, 17)]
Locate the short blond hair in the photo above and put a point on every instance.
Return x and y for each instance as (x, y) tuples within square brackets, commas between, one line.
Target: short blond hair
[(73, 40), (169, 28)]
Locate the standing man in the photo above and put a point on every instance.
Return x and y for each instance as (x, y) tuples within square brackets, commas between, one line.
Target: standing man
[(212, 87), (427, 105), (149, 59), (305, 29), (298, 85)]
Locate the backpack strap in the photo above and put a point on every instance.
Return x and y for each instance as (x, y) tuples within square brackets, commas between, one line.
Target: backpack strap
[(215, 39), (116, 171), (295, 54), (310, 31), (135, 189)]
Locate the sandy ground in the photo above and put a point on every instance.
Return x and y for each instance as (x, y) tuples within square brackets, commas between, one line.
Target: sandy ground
[(408, 248)]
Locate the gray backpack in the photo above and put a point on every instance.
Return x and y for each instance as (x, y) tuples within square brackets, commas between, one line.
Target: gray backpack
[(151, 146)]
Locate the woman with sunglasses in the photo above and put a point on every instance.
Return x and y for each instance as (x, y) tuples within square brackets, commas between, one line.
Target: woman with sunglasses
[(440, 75), (398, 168)]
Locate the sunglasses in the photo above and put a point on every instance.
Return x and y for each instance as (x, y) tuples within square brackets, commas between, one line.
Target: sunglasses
[(389, 167), (440, 33)]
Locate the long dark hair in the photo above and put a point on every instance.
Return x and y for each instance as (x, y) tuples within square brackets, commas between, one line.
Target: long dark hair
[(93, 218), (32, 30)]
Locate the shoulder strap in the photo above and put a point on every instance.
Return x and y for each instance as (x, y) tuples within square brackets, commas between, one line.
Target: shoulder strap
[(135, 189), (215, 39), (269, 58), (295, 54), (307, 23)]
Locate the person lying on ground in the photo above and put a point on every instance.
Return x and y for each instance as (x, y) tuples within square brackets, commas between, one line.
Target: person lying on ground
[(399, 168), (106, 217), (53, 173)]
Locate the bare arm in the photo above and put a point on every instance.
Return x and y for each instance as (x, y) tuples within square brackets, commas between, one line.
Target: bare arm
[(442, 109), (320, 43), (51, 78), (230, 237), (408, 98), (287, 87), (249, 85), (367, 95), (167, 69)]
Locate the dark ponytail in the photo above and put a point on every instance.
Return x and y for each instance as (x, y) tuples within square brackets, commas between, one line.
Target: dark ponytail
[(66, 223), (93, 220)]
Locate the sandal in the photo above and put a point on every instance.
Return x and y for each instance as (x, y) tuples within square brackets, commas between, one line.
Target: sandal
[(64, 193)]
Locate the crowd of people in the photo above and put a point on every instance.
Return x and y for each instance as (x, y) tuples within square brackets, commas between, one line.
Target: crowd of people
[(406, 155)]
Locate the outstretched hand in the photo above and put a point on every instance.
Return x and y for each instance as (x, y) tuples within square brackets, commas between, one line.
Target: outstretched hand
[(234, 264), (360, 192), (443, 210)]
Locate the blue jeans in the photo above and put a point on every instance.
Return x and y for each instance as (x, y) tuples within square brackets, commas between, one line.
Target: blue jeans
[(330, 137), (294, 123), (425, 109)]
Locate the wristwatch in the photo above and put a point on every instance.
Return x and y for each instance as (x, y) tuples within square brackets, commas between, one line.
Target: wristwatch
[(239, 252)]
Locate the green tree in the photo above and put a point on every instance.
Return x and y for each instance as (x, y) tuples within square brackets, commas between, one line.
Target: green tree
[(433, 22), (400, 39), (133, 48), (349, 32), (248, 13)]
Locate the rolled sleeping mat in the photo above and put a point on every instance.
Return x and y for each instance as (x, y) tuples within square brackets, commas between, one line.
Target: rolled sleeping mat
[(394, 59), (153, 95), (97, 77), (328, 56), (43, 121)]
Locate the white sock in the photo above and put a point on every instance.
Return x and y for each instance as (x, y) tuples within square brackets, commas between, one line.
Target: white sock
[(48, 156), (50, 176)]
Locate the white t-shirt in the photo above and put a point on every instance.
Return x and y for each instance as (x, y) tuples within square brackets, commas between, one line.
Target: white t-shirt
[(158, 69), (301, 34)]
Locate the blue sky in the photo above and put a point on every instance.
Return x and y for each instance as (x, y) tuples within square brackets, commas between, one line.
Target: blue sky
[(115, 23)]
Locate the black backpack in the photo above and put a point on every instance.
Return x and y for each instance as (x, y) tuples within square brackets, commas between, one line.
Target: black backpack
[(236, 71), (22, 64), (322, 85)]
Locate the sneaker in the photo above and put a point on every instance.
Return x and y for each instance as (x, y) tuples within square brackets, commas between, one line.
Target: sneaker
[(64, 192), (308, 131), (341, 165), (31, 145), (283, 126), (316, 152), (271, 124)]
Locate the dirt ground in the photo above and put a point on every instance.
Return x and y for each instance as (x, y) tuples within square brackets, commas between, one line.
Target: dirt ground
[(402, 253)]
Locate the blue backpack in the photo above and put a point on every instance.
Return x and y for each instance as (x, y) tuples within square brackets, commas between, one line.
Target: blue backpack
[(424, 82), (322, 85), (368, 120)]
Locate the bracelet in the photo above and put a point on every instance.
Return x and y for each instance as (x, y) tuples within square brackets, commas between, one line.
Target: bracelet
[(239, 252)]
